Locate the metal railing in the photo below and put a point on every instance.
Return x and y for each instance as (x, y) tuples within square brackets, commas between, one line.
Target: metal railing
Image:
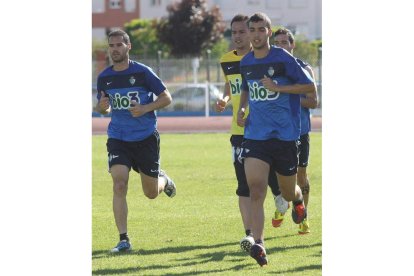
[(205, 74)]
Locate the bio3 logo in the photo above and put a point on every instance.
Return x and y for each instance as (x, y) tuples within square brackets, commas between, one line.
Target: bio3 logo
[(235, 87), (124, 102), (259, 93)]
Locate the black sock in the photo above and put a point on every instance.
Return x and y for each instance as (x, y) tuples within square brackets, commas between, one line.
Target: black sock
[(248, 232), (123, 236), (297, 202), (259, 241)]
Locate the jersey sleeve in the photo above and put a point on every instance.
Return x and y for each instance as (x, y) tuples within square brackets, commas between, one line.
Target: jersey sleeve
[(154, 82), (296, 73), (222, 69), (302, 63), (243, 85)]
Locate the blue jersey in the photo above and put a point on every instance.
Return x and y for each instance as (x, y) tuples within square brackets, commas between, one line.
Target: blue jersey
[(272, 114), (138, 83), (305, 122)]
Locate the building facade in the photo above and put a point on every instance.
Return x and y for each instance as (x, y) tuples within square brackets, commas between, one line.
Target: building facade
[(303, 17), (110, 14)]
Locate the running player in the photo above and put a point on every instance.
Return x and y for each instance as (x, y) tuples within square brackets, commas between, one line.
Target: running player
[(126, 89), (284, 38), (272, 82), (230, 64)]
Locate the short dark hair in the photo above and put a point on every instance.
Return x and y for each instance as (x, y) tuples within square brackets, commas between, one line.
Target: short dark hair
[(239, 18), (286, 32), (259, 16), (124, 35)]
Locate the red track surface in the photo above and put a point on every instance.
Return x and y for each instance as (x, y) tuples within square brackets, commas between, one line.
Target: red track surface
[(189, 124)]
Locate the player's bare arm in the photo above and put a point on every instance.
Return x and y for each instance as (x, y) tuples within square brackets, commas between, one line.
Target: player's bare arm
[(103, 105), (311, 99), (162, 100), (242, 109), (222, 103)]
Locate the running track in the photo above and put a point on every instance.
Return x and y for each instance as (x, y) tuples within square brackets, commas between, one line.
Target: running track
[(190, 124)]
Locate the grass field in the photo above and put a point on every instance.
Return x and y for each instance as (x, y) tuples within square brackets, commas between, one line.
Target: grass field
[(198, 231)]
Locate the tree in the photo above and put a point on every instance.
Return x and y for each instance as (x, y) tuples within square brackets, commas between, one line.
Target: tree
[(304, 49), (220, 48), (307, 50), (144, 40), (190, 28)]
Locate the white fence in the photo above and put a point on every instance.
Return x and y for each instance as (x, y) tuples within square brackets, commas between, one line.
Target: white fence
[(194, 91)]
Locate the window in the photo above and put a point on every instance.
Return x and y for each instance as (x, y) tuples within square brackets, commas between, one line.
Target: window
[(273, 4), (298, 3), (115, 4), (292, 28), (98, 6), (253, 2), (130, 5), (155, 2), (299, 29), (302, 29)]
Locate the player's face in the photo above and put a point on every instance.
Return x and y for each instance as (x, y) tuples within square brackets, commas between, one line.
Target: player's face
[(239, 35), (282, 41), (259, 34), (118, 49)]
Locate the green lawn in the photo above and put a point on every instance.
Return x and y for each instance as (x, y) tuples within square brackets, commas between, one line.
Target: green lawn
[(198, 231)]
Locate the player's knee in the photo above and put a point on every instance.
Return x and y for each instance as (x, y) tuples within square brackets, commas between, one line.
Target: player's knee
[(151, 194), (151, 187), (256, 193), (120, 187)]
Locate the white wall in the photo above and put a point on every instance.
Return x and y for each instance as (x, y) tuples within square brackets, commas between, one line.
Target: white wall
[(306, 15)]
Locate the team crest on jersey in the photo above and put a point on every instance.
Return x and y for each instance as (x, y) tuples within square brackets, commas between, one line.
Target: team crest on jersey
[(132, 80), (270, 71)]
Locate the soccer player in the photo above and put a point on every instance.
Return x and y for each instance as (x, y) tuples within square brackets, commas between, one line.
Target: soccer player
[(126, 90), (230, 63), (284, 38), (272, 82)]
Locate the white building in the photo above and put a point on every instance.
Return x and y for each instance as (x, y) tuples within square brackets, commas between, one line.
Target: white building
[(301, 16)]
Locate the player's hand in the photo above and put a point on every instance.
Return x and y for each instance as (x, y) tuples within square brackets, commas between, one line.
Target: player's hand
[(137, 109), (240, 117), (103, 102), (220, 105), (269, 84)]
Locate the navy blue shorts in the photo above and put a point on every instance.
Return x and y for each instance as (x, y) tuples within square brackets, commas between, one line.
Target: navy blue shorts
[(303, 150), (242, 187), (143, 156), (281, 155)]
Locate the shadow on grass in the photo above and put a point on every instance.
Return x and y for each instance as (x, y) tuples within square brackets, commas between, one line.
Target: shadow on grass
[(145, 270), (192, 261), (281, 249), (197, 259), (302, 268), (317, 255), (97, 254)]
